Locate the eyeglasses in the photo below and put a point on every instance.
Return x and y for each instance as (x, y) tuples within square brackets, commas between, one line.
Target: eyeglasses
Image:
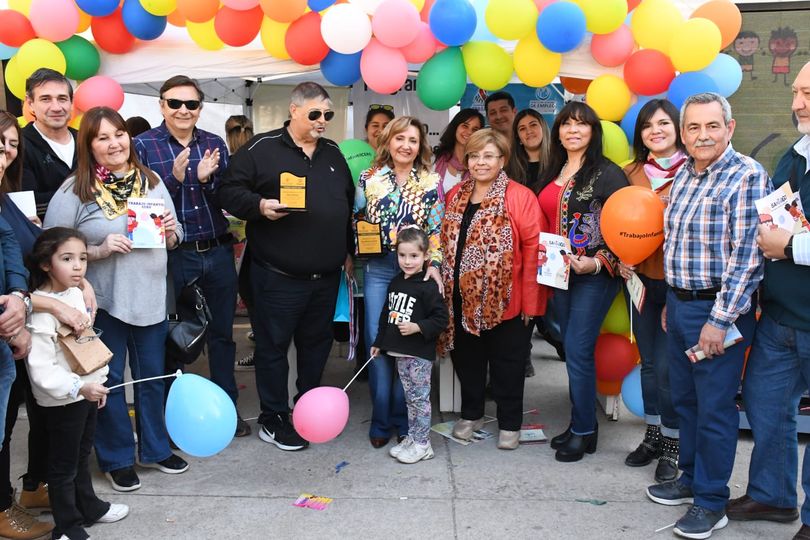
[(86, 339), (472, 158), (314, 114), (191, 104), (377, 106)]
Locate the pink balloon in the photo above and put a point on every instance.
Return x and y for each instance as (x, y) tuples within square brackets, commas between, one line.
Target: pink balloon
[(384, 69), (395, 23), (241, 5), (98, 91), (321, 414), (54, 20), (422, 48), (613, 49)]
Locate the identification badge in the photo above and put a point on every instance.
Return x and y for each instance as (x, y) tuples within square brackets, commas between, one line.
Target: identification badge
[(637, 291), (369, 238), (293, 192)]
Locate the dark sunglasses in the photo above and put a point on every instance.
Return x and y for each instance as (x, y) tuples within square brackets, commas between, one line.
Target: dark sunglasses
[(191, 104), (377, 106), (314, 114)]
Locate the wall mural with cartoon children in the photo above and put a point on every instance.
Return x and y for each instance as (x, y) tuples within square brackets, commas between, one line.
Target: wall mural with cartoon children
[(782, 44)]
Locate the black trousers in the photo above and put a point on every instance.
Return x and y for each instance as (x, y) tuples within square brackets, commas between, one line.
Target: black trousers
[(73, 501), (37, 438), (502, 349)]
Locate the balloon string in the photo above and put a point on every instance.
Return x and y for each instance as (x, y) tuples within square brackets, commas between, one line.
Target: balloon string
[(358, 373), (175, 374), (632, 335)]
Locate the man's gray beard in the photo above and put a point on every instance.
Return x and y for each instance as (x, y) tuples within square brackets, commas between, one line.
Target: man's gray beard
[(804, 129)]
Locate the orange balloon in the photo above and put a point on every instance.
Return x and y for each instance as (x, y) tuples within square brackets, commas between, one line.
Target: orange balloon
[(609, 388), (198, 11), (632, 223), (176, 18), (725, 14), (27, 114), (574, 85), (284, 10)]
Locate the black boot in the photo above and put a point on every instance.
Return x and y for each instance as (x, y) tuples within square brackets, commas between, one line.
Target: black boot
[(560, 440), (648, 450), (667, 468), (576, 447)]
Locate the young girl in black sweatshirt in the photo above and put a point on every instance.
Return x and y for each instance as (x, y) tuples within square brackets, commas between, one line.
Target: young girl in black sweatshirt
[(410, 323)]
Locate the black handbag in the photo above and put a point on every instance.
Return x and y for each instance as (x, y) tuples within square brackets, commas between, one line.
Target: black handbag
[(188, 318)]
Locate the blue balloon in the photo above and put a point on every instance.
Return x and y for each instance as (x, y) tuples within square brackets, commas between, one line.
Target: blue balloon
[(631, 392), (726, 72), (200, 417), (319, 5), (7, 52), (97, 8), (140, 23), (341, 69), (482, 32), (453, 21), (628, 123), (561, 26), (689, 84)]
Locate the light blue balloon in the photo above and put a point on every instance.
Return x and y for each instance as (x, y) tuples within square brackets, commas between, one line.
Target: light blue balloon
[(726, 72), (688, 84), (561, 26), (341, 69), (7, 52), (140, 23), (631, 392), (453, 22), (200, 417), (482, 32)]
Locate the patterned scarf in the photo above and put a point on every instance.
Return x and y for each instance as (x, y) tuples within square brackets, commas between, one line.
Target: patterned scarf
[(661, 170), (485, 272), (112, 192)]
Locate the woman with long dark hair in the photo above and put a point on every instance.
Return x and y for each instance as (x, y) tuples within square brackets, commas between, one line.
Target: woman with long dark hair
[(572, 195), (531, 148), (449, 164)]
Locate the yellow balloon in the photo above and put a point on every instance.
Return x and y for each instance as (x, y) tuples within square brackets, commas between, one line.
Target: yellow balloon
[(84, 21), (204, 35), (695, 45), (76, 121), (272, 34), (22, 121), (609, 96), (511, 19), (534, 64), (654, 23), (39, 53), (14, 79), (488, 66), (160, 8), (604, 16), (615, 146), (23, 6), (419, 4)]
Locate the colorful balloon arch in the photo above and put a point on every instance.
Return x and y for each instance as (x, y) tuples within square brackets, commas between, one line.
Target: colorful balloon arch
[(661, 52)]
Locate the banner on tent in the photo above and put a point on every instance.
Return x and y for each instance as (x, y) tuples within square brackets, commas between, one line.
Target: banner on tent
[(546, 100), (404, 102)]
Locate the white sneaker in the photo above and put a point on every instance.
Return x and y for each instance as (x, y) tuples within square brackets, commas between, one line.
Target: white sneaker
[(415, 452), (117, 512), (463, 429), (396, 450)]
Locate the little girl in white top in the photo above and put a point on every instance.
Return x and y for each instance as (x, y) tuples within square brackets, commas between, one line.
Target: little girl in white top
[(70, 401)]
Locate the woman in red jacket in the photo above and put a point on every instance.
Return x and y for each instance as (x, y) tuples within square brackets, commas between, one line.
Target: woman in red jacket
[(489, 240)]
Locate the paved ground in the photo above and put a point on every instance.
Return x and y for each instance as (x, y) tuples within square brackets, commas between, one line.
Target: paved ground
[(466, 492)]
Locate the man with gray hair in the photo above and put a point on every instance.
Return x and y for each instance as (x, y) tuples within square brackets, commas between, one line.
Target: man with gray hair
[(713, 266), (295, 190)]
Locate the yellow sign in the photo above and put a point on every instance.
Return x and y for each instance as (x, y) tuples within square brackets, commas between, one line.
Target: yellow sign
[(293, 192), (369, 238)]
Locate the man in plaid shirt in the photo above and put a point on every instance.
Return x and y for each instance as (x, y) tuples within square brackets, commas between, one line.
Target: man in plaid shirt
[(713, 267)]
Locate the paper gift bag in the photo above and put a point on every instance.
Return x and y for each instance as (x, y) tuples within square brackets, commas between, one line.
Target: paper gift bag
[(84, 353)]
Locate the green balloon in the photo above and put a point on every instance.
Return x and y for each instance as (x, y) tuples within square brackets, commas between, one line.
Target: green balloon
[(617, 320), (359, 155), (83, 59), (442, 80)]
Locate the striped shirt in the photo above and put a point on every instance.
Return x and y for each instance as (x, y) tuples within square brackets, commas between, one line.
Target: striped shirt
[(710, 228), (197, 208)]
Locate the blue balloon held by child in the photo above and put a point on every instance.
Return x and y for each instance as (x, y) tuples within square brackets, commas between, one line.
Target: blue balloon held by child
[(200, 417), (631, 392)]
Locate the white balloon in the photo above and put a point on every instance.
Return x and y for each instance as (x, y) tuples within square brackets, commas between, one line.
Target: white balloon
[(369, 6), (346, 28)]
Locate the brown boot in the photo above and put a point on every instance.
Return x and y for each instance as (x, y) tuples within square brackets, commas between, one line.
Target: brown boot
[(18, 524), (36, 500)]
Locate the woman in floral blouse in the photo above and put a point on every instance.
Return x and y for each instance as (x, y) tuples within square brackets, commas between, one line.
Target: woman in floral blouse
[(397, 191)]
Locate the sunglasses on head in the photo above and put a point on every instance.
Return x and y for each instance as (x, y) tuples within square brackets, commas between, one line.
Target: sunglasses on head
[(191, 104), (376, 106), (314, 114)]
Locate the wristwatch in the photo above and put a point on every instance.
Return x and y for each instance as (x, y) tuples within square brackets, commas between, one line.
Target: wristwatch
[(25, 296), (789, 249)]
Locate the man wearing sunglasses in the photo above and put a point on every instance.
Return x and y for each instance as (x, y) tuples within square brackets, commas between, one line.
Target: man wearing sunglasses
[(296, 252), (190, 162)]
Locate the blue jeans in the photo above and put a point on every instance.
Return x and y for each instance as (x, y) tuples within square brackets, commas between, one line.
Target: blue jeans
[(777, 374), (703, 395), (389, 411), (580, 311), (215, 272), (8, 372), (652, 346), (115, 446)]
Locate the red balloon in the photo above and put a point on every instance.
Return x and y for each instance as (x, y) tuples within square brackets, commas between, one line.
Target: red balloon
[(304, 42), (15, 28), (574, 85), (425, 13), (237, 28), (608, 388), (648, 72), (632, 223), (615, 357), (613, 49), (632, 4), (111, 34)]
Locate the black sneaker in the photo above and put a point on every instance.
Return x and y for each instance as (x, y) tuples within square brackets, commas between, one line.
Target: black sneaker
[(173, 464), (671, 493), (125, 479), (246, 363), (278, 430), (699, 522)]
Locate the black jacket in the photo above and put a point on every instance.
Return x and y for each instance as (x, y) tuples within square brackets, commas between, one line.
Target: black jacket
[(43, 171), (412, 300), (315, 241)]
